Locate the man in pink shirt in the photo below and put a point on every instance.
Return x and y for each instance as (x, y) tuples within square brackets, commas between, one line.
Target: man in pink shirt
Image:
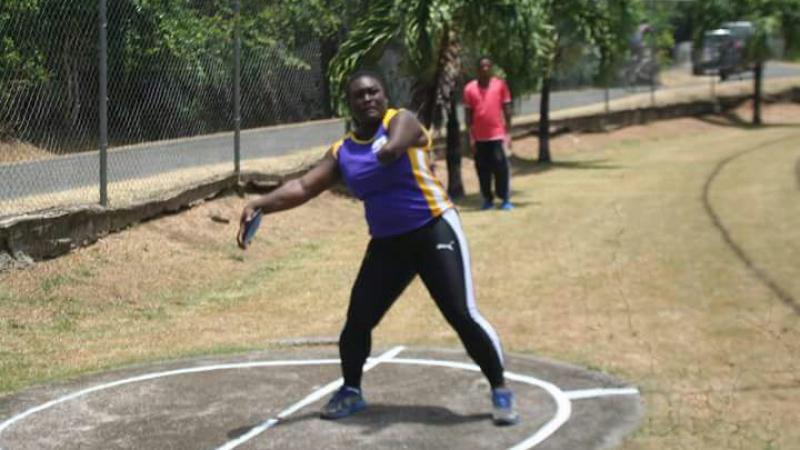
[(487, 104)]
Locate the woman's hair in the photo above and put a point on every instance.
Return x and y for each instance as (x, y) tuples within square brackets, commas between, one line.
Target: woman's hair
[(365, 73)]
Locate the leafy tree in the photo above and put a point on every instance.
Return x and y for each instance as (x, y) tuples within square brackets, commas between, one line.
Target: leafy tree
[(170, 66), (276, 30), (45, 51), (20, 65), (770, 18), (191, 45), (565, 31), (18, 62), (433, 34)]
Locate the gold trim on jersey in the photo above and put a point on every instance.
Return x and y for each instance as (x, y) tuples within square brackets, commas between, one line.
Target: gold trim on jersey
[(335, 148), (429, 135), (432, 189), (390, 113), (387, 117)]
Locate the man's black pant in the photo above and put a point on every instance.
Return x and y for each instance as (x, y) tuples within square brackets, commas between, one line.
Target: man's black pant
[(491, 161)]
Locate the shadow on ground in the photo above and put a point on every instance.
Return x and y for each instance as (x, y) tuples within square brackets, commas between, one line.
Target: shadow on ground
[(523, 166), (473, 202), (732, 119), (382, 415)]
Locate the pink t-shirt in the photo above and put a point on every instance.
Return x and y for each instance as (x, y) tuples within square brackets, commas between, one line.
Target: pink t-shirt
[(488, 122)]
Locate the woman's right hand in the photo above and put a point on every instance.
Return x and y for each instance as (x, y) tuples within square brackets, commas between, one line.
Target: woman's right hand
[(247, 215)]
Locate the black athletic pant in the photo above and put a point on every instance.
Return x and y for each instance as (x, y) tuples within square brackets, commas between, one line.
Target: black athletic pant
[(491, 161), (438, 253)]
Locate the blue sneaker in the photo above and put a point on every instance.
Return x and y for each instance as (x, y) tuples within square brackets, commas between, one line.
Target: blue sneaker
[(346, 401), (506, 206), (503, 411), (487, 204)]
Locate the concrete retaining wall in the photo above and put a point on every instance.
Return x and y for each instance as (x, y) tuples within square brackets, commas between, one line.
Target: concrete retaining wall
[(623, 118), (50, 233)]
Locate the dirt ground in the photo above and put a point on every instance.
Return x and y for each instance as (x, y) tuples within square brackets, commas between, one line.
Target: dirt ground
[(612, 260)]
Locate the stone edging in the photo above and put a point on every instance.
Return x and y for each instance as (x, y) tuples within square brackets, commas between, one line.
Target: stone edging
[(53, 232)]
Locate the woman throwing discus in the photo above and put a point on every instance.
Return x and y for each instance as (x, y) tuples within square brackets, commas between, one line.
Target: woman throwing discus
[(414, 229)]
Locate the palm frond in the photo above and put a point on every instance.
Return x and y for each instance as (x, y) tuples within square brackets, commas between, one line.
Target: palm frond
[(365, 41), (430, 96), (417, 31)]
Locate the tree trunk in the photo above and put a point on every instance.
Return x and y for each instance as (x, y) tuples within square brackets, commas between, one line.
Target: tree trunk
[(328, 47), (455, 187), (544, 122), (758, 72), (431, 98)]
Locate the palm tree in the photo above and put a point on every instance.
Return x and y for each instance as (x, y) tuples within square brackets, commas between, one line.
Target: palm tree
[(431, 33)]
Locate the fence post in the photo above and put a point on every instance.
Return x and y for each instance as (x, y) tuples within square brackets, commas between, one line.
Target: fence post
[(237, 75), (653, 89), (103, 94), (714, 99)]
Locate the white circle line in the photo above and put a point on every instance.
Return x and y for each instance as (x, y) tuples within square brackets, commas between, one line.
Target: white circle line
[(563, 403), (169, 373), (309, 399), (600, 392)]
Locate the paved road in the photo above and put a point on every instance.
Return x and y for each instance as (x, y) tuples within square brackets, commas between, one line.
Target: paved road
[(23, 179), (81, 170)]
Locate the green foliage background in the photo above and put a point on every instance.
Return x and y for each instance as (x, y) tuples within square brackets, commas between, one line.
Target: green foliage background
[(170, 67), (171, 61)]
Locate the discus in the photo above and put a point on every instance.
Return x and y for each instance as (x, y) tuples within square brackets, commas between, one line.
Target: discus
[(250, 227)]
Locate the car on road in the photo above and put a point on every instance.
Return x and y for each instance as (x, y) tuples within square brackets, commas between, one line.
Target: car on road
[(724, 51)]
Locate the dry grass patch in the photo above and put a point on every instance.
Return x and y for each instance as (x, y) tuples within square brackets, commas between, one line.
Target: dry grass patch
[(15, 151), (610, 260)]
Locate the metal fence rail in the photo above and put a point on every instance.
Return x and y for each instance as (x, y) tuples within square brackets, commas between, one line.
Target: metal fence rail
[(48, 90), (171, 73)]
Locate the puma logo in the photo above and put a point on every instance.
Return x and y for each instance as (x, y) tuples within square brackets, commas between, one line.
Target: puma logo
[(448, 246)]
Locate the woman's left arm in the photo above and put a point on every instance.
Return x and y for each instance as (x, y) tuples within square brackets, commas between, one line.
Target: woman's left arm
[(404, 131)]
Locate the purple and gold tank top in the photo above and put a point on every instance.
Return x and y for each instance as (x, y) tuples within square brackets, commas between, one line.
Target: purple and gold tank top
[(398, 197)]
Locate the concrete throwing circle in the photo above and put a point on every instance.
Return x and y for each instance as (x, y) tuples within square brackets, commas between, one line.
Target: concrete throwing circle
[(418, 398)]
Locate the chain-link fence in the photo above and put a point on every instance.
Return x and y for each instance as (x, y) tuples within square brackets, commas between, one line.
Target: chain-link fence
[(171, 84), (48, 99), (652, 78), (170, 97)]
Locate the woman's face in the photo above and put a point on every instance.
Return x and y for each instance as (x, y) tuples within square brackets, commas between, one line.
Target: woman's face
[(367, 100)]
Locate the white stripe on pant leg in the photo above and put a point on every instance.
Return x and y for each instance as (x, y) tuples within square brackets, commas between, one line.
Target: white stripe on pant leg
[(451, 216)]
